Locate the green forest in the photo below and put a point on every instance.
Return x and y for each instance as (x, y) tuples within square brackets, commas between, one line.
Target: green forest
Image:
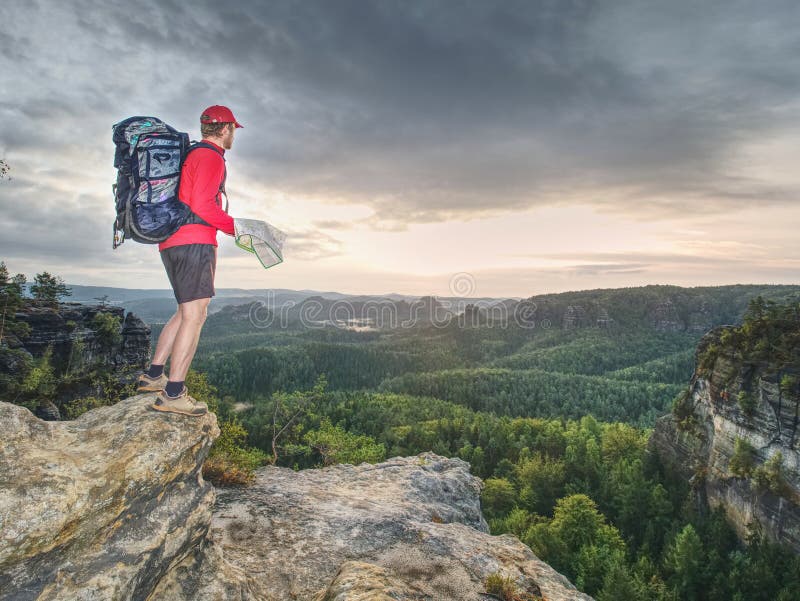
[(556, 421)]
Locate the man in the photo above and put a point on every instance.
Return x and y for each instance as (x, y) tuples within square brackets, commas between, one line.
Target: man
[(190, 259)]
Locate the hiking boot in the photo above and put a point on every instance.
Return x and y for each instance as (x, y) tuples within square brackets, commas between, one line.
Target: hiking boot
[(182, 403), (148, 384)]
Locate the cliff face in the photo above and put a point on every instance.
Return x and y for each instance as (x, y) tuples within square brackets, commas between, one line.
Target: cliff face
[(702, 445), (79, 346), (662, 308), (113, 506), (69, 323)]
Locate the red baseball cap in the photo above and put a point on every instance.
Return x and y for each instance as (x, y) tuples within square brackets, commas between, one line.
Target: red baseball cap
[(219, 114)]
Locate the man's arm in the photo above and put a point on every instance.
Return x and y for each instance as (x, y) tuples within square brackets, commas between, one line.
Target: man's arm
[(209, 170)]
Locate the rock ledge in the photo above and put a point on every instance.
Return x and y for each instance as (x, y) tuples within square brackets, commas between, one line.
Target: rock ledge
[(113, 506)]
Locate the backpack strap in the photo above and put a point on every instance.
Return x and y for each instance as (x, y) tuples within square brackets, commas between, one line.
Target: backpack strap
[(195, 146), (194, 218)]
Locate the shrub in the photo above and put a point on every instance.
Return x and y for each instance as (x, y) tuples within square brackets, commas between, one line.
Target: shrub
[(107, 328), (336, 445), (222, 471), (78, 407), (201, 390), (107, 386), (706, 360), (682, 405), (231, 462), (770, 476), (505, 588), (20, 364), (41, 381), (742, 461), (747, 402), (75, 359)]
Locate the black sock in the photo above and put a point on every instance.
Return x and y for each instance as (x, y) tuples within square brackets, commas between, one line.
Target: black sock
[(155, 370), (174, 388)]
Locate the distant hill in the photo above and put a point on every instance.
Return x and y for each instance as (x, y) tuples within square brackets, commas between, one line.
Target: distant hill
[(621, 354), (156, 305), (663, 307)]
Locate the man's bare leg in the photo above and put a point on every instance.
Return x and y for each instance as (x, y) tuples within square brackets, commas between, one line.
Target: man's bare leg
[(166, 338), (193, 316)]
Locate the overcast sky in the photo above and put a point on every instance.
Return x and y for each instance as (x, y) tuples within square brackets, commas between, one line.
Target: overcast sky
[(535, 146)]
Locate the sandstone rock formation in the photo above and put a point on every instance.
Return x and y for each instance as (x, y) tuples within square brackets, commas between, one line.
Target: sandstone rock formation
[(700, 447), (409, 528), (113, 506), (77, 349), (61, 326), (100, 507)]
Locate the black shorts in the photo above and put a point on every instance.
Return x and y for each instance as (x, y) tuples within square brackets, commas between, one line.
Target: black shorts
[(190, 269)]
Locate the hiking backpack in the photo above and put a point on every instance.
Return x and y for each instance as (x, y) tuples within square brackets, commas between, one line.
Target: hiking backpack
[(148, 158)]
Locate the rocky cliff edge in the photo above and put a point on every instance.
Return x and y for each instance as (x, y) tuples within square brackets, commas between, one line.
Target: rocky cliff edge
[(701, 444), (113, 506)]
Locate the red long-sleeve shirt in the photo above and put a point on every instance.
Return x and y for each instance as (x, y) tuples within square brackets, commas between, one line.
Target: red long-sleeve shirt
[(201, 175)]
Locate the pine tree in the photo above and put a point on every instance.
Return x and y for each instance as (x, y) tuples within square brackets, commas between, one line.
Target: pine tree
[(48, 288), (619, 585), (685, 558), (11, 299)]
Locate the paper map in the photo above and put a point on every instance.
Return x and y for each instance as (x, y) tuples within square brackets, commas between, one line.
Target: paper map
[(260, 238)]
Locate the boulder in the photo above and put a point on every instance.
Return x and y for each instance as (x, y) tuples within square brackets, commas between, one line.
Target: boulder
[(103, 506), (406, 529), (113, 506)]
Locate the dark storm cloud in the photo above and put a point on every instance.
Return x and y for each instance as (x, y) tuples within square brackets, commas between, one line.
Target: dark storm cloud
[(52, 228), (429, 111), (435, 110)]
